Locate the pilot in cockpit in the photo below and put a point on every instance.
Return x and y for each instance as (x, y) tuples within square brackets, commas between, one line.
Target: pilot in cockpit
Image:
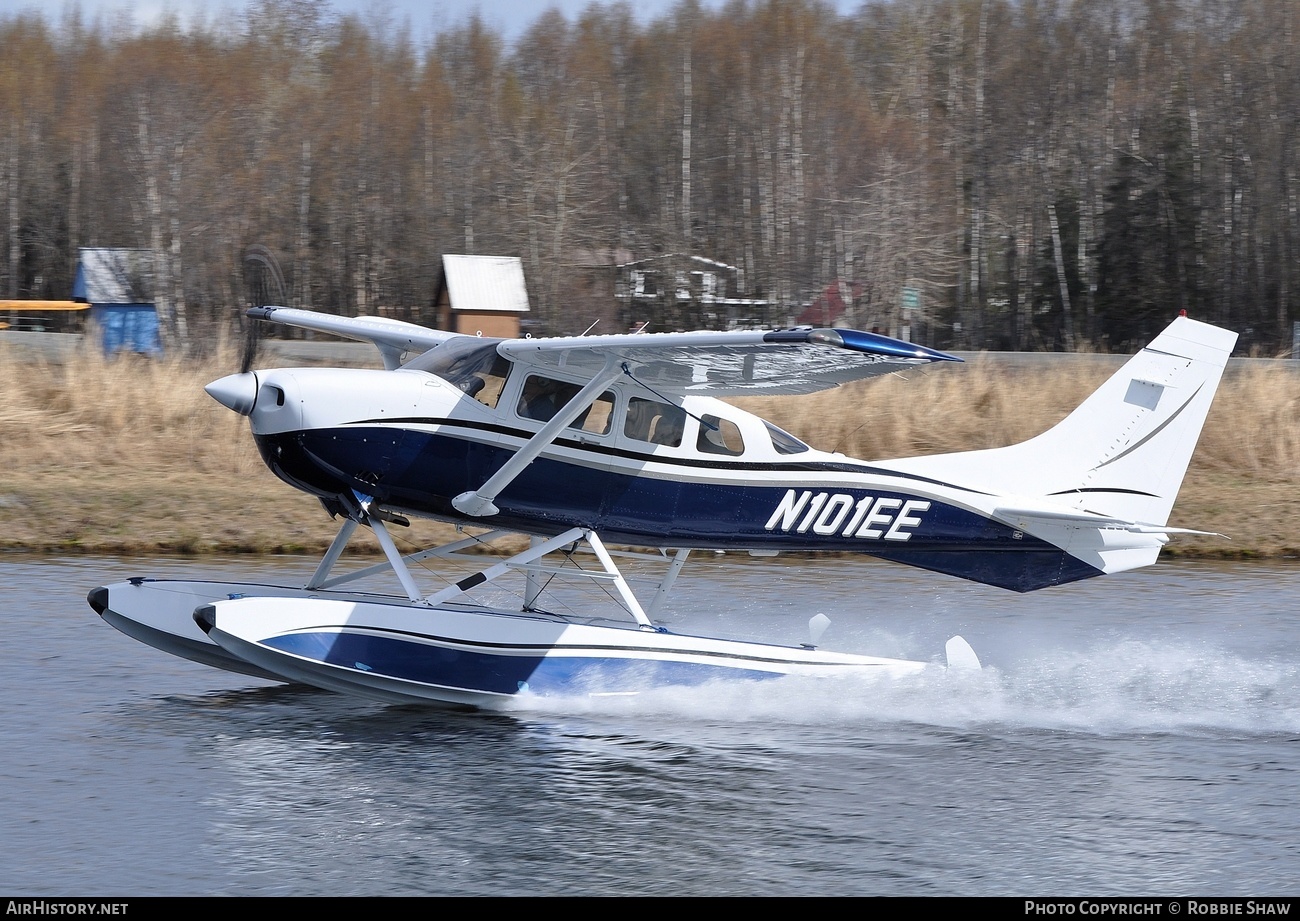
[(541, 398)]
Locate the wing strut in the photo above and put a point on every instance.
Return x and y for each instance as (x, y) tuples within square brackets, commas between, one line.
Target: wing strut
[(538, 549), (481, 502)]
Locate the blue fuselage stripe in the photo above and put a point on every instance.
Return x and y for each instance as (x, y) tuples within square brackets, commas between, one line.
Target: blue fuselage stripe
[(422, 471)]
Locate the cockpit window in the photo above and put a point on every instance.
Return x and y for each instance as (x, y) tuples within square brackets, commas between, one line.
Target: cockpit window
[(784, 442), (542, 397), (470, 363)]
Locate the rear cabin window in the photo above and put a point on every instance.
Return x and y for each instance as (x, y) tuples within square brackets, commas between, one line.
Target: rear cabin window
[(719, 436), (655, 422)]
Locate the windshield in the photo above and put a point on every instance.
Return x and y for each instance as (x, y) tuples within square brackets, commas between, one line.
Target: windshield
[(470, 363)]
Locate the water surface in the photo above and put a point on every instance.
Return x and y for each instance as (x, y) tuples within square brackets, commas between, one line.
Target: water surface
[(1132, 735)]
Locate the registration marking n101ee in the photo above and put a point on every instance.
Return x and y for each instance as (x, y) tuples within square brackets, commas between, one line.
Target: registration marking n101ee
[(827, 514)]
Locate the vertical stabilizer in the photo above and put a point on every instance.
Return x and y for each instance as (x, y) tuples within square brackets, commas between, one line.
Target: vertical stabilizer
[(1102, 482)]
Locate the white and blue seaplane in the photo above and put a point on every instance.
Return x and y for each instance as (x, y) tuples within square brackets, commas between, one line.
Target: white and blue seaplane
[(597, 446)]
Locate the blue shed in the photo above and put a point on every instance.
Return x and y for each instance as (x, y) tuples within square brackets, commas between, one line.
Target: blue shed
[(118, 286)]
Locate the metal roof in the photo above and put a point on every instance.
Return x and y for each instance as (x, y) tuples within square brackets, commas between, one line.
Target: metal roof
[(486, 283), (114, 276), (671, 258)]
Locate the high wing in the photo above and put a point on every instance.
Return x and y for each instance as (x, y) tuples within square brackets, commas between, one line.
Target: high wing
[(393, 338), (736, 363), (716, 364)]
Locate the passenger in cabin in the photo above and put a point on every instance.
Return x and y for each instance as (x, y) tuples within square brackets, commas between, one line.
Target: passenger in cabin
[(668, 427), (640, 414)]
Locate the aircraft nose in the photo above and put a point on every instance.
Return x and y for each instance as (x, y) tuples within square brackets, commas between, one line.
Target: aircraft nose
[(235, 391)]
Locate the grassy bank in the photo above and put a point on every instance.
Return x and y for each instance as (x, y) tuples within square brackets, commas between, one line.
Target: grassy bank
[(131, 456)]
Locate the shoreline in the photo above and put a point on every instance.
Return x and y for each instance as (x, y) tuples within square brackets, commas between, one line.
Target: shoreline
[(263, 517), (217, 552)]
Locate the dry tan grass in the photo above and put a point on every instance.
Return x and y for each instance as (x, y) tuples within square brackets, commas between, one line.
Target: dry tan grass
[(949, 408), (130, 455), (130, 413), (1253, 428)]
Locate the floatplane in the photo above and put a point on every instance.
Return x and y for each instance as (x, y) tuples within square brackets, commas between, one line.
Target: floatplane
[(598, 446)]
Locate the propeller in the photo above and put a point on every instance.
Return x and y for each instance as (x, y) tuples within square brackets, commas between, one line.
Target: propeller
[(264, 283)]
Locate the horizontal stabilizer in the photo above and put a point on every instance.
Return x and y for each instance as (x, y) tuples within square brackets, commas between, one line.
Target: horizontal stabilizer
[(1026, 518)]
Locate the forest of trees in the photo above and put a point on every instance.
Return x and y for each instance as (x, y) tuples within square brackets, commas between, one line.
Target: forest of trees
[(1022, 174)]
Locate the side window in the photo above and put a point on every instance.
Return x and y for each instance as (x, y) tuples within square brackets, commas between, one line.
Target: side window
[(719, 436), (543, 397), (655, 422), (783, 442), (598, 416)]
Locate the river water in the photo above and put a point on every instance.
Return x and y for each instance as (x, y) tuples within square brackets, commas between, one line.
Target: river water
[(1135, 735)]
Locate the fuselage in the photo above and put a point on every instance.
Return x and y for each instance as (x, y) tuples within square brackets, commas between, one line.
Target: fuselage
[(638, 468)]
